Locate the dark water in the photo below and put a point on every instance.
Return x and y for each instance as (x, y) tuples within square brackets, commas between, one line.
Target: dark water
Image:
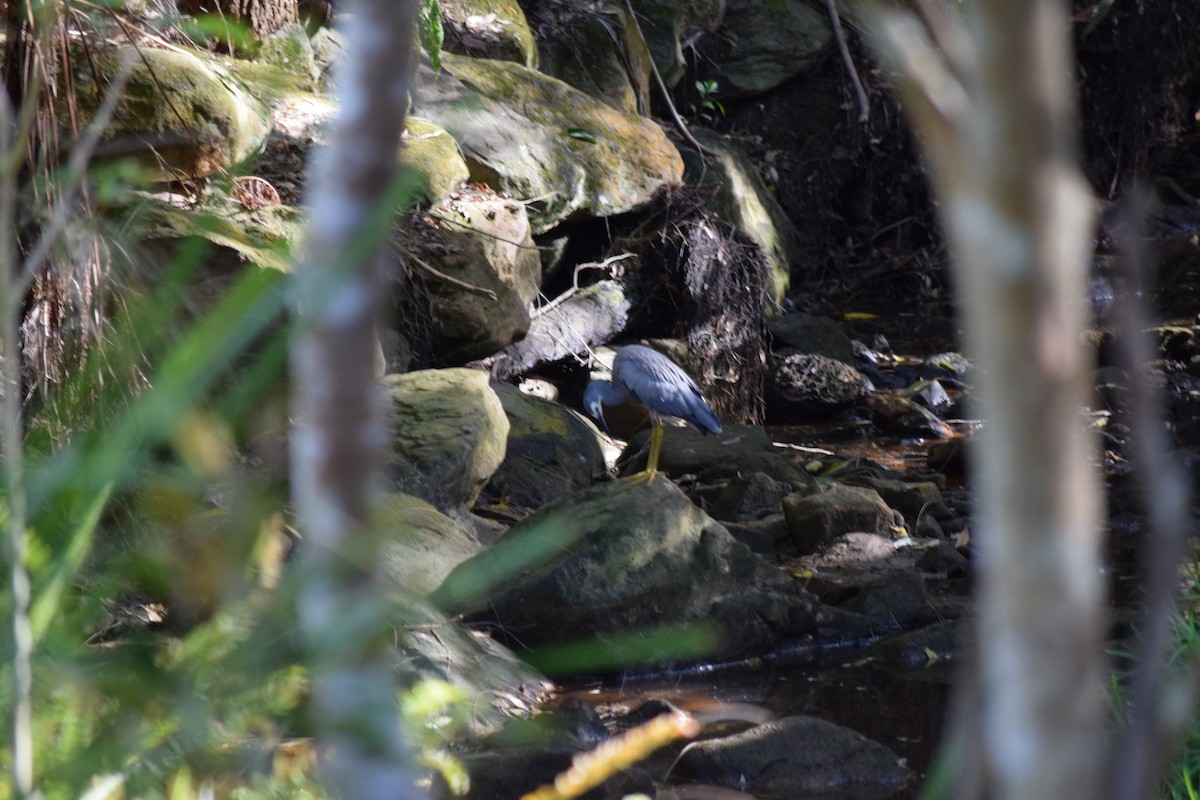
[(903, 710)]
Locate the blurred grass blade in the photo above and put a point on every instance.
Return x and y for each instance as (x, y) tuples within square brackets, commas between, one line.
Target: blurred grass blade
[(48, 598)]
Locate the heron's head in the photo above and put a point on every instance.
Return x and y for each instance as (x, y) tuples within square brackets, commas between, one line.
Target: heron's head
[(593, 401)]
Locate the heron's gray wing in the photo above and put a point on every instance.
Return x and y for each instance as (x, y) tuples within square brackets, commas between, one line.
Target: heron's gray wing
[(655, 382)]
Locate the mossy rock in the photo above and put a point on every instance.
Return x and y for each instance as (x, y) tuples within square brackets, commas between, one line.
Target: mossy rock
[(432, 152), (489, 29), (182, 115), (582, 52), (536, 138)]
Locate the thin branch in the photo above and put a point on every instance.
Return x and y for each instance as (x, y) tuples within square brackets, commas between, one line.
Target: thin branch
[(839, 35), (455, 282), (666, 94)]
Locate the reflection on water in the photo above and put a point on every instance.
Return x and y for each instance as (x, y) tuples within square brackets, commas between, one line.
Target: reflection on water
[(902, 710)]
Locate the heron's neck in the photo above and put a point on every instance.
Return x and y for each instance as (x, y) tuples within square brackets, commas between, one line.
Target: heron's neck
[(612, 394)]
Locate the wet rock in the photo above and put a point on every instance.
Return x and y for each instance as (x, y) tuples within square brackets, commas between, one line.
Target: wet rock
[(948, 457), (892, 602), (626, 557), (449, 432), (813, 335), (819, 517), (531, 136), (551, 452), (740, 198), (762, 44), (479, 241), (910, 498), (421, 545), (515, 773), (571, 725), (898, 416), (946, 365), (933, 396), (795, 757), (488, 29), (181, 116), (925, 647), (737, 450), (805, 386)]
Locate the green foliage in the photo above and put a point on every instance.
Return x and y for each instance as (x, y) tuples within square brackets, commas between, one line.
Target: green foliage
[(708, 107), (430, 32)]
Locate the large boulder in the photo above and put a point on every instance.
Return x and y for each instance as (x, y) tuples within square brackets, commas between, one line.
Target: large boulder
[(421, 544), (624, 558), (182, 115), (449, 433), (807, 386), (736, 451), (580, 50), (432, 153), (476, 258), (551, 452), (795, 757), (820, 516), (538, 139), (813, 335)]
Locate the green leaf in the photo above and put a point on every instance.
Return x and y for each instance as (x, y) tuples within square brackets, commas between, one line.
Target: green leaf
[(581, 134), (430, 32)]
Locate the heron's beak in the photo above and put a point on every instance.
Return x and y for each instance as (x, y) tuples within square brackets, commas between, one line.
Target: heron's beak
[(600, 419)]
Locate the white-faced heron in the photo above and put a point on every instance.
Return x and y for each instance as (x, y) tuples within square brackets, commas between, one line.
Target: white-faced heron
[(649, 379)]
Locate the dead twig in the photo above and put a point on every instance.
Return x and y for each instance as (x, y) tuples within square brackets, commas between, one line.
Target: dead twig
[(455, 282), (839, 35)]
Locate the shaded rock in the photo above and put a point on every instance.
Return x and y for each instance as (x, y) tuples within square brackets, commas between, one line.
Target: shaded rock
[(939, 642), (813, 335), (577, 47), (498, 684), (910, 498), (749, 497), (421, 544), (572, 724), (449, 433), (737, 450), (531, 136), (761, 44), (819, 517), (743, 200), (795, 757), (899, 416), (762, 536), (488, 29), (666, 24), (182, 115), (892, 602), (289, 48), (328, 46), (623, 558), (515, 773), (944, 560), (807, 386), (551, 452), (482, 241)]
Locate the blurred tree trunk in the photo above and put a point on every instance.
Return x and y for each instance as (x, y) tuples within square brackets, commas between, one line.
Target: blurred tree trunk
[(988, 85), (337, 409)]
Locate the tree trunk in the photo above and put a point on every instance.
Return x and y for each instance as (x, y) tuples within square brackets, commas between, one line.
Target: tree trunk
[(337, 408), (263, 16)]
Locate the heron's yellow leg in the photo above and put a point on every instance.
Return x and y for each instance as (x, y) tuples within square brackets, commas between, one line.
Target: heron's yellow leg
[(651, 471)]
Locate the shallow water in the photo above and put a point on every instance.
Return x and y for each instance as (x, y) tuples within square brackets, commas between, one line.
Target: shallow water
[(903, 710)]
